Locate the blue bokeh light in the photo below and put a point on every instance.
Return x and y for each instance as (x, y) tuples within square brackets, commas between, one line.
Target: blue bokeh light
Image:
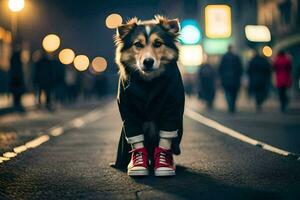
[(190, 32)]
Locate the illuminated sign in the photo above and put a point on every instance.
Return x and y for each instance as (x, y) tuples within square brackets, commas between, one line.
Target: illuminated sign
[(257, 33), (191, 55), (216, 46), (218, 21), (190, 32)]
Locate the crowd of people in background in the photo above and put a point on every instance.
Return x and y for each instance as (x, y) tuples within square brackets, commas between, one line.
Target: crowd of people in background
[(55, 82), (259, 72), (52, 82), (16, 81)]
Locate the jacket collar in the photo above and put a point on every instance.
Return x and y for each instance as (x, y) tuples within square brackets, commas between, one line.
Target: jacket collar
[(145, 90)]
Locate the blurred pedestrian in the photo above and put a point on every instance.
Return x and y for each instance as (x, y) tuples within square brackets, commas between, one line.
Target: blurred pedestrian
[(259, 72), (206, 84), (71, 84), (17, 84), (230, 71), (88, 82), (44, 80), (188, 85), (101, 85), (282, 66), (59, 80)]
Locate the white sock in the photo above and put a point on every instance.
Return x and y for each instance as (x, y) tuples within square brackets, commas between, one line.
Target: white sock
[(165, 143), (137, 145)]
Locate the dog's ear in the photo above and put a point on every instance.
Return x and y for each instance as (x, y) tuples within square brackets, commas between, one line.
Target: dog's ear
[(172, 25), (124, 29)]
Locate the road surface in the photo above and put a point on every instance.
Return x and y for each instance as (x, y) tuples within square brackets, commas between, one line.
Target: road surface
[(72, 162)]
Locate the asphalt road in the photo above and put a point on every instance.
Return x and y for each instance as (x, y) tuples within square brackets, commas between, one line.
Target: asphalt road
[(269, 126), (75, 165)]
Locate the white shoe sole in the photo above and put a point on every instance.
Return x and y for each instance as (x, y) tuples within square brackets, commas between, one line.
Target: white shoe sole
[(138, 172), (164, 173)]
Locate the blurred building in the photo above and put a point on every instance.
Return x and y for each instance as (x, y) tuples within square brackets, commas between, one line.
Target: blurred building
[(283, 19), (5, 52)]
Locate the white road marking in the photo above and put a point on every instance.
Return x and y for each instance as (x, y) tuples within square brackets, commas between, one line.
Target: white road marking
[(235, 134), (20, 149), (78, 122), (37, 142), (54, 132), (3, 158), (9, 154)]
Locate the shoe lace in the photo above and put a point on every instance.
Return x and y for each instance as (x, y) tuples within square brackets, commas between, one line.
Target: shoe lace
[(164, 158), (138, 157)]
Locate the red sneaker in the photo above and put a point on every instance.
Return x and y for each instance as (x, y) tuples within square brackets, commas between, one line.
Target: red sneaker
[(163, 162), (138, 165)]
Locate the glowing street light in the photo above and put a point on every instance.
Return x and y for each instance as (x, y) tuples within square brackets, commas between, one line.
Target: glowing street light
[(267, 51), (16, 5), (191, 55), (113, 21), (190, 32), (81, 62), (257, 33), (51, 43), (99, 64), (218, 21), (66, 56)]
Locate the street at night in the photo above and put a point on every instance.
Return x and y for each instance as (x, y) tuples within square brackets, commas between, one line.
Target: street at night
[(76, 164), (153, 99)]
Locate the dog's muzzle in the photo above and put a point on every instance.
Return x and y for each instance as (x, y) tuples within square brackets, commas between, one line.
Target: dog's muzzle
[(148, 64)]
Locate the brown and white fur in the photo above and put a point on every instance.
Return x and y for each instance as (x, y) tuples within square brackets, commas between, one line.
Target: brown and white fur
[(146, 46)]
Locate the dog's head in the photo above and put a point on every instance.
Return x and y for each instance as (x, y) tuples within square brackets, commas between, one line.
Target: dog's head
[(146, 46)]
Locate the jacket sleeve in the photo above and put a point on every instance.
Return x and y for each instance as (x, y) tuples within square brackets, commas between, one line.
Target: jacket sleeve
[(132, 124)]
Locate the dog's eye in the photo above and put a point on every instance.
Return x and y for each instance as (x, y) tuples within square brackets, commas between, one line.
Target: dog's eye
[(157, 44), (138, 44)]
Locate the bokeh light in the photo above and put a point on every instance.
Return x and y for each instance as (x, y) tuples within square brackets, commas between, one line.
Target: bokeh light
[(113, 21), (267, 51), (218, 21), (25, 56), (257, 33), (191, 55), (51, 43), (99, 64), (66, 56), (2, 33), (81, 62), (216, 46), (16, 5), (190, 34), (7, 37)]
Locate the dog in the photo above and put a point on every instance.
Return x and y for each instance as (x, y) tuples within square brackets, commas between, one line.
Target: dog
[(150, 93)]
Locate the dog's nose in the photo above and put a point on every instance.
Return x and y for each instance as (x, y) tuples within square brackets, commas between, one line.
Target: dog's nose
[(148, 63)]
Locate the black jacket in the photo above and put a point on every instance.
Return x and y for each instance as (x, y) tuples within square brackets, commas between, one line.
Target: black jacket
[(160, 100), (17, 83), (259, 72), (206, 82), (230, 71)]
